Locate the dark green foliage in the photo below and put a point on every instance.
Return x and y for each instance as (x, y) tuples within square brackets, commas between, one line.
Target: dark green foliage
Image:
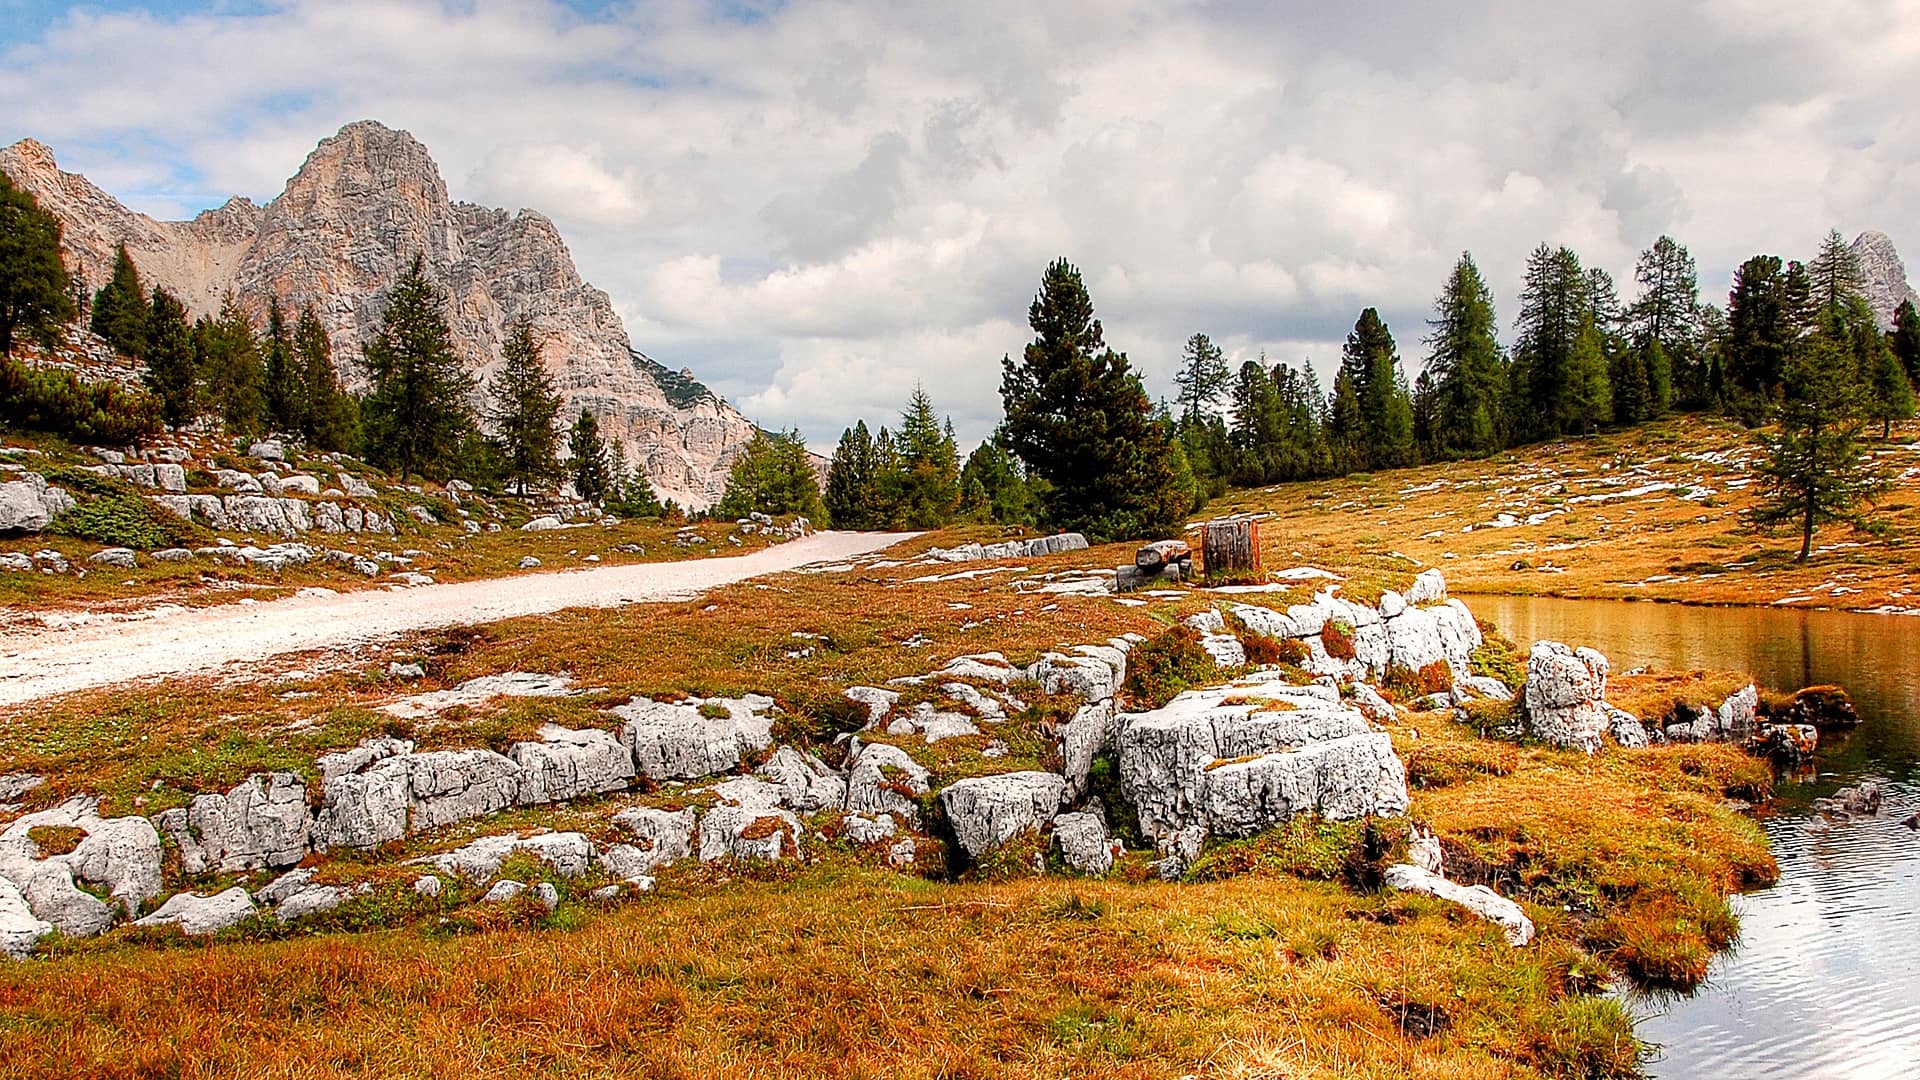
[(115, 513), (1889, 391), (1761, 327), (1466, 359), (35, 292), (1816, 469), (998, 485), (1664, 325), (590, 466), (329, 418), (121, 308), (772, 475), (1904, 340), (1375, 429), (172, 360), (228, 370), (57, 401), (525, 406), (1202, 380), (926, 491), (852, 498), (1078, 418), (632, 495), (1163, 667), (282, 385), (1559, 380), (417, 413)]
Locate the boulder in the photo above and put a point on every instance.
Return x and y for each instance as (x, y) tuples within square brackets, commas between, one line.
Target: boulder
[(310, 901), (262, 822), (805, 782), (547, 895), (1626, 728), (1478, 899), (566, 764), (545, 523), (1565, 695), (1344, 778), (503, 891), (202, 916), (453, 785), (1084, 737), (268, 450), (381, 790), (1469, 687), (53, 896), (981, 667), (285, 885), (676, 741), (987, 811), (1429, 587), (299, 484), (569, 853), (356, 487), (20, 930), (1821, 706), (660, 837), (117, 557), (1161, 553), (170, 477), (876, 701), (29, 504), (1093, 676), (1083, 844), (885, 780), (1736, 714), (752, 832)]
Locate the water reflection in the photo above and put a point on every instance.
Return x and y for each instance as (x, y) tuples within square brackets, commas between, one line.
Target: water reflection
[(1826, 979)]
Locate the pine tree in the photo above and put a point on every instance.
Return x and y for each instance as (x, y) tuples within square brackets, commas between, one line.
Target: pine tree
[(850, 497), (1426, 416), (285, 386), (1299, 407), (169, 350), (996, 472), (525, 407), (1663, 325), (1465, 358), (1890, 394), (121, 307), (35, 292), (1346, 427), (589, 465), (231, 377), (1257, 426), (1553, 387), (633, 495), (1834, 277), (1761, 327), (328, 416), (1587, 395), (1904, 339), (1816, 470), (417, 412), (1202, 379), (1079, 418), (773, 474), (929, 494)]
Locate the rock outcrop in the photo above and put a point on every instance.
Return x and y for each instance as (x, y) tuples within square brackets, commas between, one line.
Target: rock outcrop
[(338, 236), (1884, 274), (1565, 696)]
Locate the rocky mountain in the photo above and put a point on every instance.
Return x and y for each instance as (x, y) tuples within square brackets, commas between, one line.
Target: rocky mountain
[(337, 237), (1885, 274)]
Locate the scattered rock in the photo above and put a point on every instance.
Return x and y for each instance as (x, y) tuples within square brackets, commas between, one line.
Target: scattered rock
[(1083, 844), (876, 701), (262, 822), (885, 780), (121, 558), (1478, 899), (29, 504), (528, 562), (202, 916), (678, 741), (660, 837), (569, 853), (1848, 802), (548, 896), (503, 891), (567, 764), (20, 930), (987, 811), (427, 885), (1565, 695)]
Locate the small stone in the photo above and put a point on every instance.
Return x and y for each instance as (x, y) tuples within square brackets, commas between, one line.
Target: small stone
[(503, 891), (427, 885), (528, 562), (123, 558), (548, 896)]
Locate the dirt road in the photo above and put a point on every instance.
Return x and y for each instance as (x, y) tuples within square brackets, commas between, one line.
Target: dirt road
[(44, 663)]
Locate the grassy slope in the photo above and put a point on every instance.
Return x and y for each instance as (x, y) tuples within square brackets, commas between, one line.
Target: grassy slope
[(1687, 543), (845, 969)]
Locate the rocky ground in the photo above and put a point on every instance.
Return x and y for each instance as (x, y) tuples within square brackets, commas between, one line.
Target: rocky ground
[(927, 779)]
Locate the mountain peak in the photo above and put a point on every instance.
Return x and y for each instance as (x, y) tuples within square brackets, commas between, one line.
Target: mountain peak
[(33, 154), (1885, 275)]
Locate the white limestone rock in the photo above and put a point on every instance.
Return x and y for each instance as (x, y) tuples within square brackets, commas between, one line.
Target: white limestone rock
[(1084, 737), (805, 782), (1565, 695), (1478, 899), (1429, 587), (660, 838), (568, 763), (52, 895), (987, 811), (1471, 687), (122, 854), (262, 822), (876, 701), (1339, 779), (20, 930), (750, 832), (449, 786), (503, 891), (885, 780), (569, 853), (28, 504), (1083, 843), (674, 741), (203, 916)]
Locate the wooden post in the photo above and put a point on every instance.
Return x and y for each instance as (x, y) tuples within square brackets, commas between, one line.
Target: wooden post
[(1230, 549)]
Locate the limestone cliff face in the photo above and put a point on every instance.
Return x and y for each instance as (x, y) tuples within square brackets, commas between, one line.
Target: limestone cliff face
[(1885, 274), (347, 224)]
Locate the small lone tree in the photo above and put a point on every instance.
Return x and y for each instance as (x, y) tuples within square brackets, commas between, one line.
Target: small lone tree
[(772, 475), (1816, 470), (928, 496), (35, 292), (1202, 379), (1079, 419), (417, 413), (588, 463), (170, 358), (525, 406)]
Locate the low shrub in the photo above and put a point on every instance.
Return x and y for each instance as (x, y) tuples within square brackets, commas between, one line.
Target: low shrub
[(1265, 651), (1337, 638), (57, 401), (122, 520), (1167, 665)]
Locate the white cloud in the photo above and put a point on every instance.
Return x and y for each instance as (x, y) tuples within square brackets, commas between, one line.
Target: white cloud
[(819, 207)]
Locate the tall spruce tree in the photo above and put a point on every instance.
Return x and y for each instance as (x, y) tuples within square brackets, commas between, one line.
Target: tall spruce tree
[(36, 298), (1202, 379), (929, 493), (523, 413), (589, 465), (773, 474), (1078, 418), (1663, 325), (1904, 339), (996, 473), (1834, 276), (1761, 327), (328, 417), (851, 497), (231, 377), (1553, 366), (171, 365), (1816, 470), (285, 386), (121, 307), (1465, 358), (1346, 427), (1386, 408), (1257, 425), (417, 413)]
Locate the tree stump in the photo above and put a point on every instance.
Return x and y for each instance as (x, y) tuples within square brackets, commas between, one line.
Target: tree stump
[(1230, 549)]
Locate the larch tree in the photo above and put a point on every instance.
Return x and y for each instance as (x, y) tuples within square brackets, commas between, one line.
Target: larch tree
[(1466, 361), (1079, 418), (1663, 324), (524, 409), (328, 416), (417, 414), (773, 474), (589, 464), (35, 291), (1816, 470), (1202, 379)]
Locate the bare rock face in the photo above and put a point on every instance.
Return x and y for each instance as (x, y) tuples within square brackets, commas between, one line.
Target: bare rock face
[(1885, 274), (347, 224)]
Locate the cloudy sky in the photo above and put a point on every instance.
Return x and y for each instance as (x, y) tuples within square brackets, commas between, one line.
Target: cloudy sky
[(816, 205)]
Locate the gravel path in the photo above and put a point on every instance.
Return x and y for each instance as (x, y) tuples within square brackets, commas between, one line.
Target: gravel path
[(44, 663)]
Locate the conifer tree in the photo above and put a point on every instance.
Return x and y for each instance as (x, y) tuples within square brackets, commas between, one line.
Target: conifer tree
[(169, 351), (525, 407), (1257, 426), (1202, 379), (773, 474), (1381, 433), (997, 475), (285, 387), (851, 496), (588, 462), (929, 494), (328, 415), (1904, 339), (1553, 387), (231, 378), (1663, 325), (1890, 394), (1346, 427), (1465, 359), (1816, 470), (417, 413), (633, 495), (1834, 277), (35, 292), (121, 307), (1079, 418)]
